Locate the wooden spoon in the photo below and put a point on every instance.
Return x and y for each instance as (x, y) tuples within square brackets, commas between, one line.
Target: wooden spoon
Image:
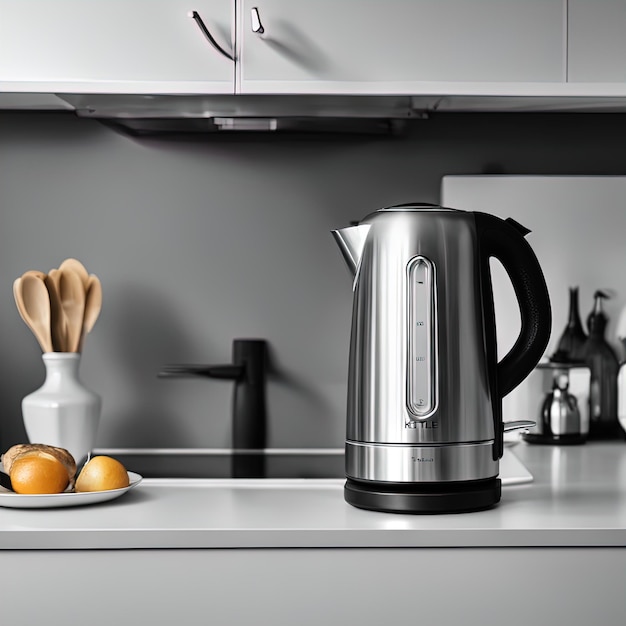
[(93, 306), (17, 294), (36, 273), (58, 319), (72, 294), (17, 288), (76, 266), (33, 303)]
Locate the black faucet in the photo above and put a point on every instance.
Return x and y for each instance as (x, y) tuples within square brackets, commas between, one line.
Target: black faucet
[(248, 371)]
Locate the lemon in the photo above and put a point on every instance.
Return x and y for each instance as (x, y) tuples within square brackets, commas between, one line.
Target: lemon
[(102, 473)]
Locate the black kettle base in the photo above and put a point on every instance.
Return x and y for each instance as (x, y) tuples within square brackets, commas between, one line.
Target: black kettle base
[(456, 497)]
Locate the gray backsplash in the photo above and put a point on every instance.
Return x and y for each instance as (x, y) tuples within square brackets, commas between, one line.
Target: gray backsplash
[(199, 242)]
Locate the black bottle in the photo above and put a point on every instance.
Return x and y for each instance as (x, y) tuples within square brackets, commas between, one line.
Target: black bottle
[(604, 365), (571, 346)]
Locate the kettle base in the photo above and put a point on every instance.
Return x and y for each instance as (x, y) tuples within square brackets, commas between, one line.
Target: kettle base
[(455, 497)]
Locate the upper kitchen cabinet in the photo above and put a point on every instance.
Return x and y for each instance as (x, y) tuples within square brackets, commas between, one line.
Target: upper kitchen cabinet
[(398, 46), (597, 41), (117, 46)]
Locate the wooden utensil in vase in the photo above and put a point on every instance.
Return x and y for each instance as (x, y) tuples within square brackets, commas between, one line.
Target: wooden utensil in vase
[(93, 306), (33, 303), (58, 319), (72, 292), (76, 266)]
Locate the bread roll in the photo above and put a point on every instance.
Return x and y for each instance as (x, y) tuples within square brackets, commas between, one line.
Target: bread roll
[(43, 450)]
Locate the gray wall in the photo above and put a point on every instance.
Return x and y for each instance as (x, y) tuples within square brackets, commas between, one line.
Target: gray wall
[(198, 242)]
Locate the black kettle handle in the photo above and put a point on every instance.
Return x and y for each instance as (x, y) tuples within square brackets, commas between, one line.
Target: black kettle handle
[(504, 240)]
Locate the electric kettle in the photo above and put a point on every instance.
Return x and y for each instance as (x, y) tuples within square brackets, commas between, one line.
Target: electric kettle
[(424, 429)]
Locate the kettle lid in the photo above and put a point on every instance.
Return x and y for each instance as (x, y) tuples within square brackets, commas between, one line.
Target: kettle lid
[(416, 206)]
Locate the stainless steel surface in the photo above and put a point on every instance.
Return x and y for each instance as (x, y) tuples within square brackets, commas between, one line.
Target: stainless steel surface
[(424, 383), (517, 425), (378, 403), (206, 113), (560, 411), (351, 241), (389, 463), (541, 384), (207, 106)]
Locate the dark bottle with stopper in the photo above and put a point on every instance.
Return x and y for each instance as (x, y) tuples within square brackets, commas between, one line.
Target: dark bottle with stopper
[(571, 346), (604, 366)]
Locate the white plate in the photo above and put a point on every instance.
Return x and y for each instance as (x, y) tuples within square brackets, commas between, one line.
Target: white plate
[(14, 500)]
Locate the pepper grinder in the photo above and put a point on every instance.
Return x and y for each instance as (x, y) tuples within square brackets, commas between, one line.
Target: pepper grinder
[(604, 366)]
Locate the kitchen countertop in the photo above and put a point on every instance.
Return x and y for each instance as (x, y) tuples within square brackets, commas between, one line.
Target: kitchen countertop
[(577, 498)]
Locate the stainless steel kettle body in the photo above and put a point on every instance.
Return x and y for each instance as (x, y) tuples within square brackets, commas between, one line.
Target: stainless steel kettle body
[(424, 426)]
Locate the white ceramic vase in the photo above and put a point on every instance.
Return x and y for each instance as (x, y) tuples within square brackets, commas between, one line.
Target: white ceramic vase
[(62, 412)]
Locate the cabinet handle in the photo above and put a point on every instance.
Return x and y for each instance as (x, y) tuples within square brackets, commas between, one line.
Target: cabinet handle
[(255, 20), (205, 31)]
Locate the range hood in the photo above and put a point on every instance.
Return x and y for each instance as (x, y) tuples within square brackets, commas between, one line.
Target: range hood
[(166, 114)]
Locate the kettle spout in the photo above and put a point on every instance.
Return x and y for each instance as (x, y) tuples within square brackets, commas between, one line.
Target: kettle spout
[(351, 241)]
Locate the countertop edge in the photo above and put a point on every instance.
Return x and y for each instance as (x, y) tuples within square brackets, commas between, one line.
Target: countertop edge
[(309, 538)]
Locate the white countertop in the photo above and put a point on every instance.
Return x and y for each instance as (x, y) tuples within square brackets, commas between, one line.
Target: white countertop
[(577, 498)]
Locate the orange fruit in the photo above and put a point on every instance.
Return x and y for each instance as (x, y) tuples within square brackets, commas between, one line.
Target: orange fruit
[(38, 474), (102, 473)]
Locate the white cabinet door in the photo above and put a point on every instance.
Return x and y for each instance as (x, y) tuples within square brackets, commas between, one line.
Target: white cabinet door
[(139, 46), (597, 41), (388, 46)]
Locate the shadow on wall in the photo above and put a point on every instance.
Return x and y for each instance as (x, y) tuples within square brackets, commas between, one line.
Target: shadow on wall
[(11, 425), (281, 379), (143, 332)]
